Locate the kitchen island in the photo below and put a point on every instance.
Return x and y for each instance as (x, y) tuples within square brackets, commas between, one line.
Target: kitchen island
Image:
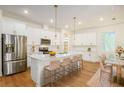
[(39, 61)]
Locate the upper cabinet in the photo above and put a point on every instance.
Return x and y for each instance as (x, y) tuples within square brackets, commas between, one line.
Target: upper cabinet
[(33, 32), (85, 39), (56, 40), (33, 35), (20, 28), (13, 27), (7, 27)]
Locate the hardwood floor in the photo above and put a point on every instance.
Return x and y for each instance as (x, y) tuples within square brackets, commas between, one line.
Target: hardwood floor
[(77, 80), (18, 80)]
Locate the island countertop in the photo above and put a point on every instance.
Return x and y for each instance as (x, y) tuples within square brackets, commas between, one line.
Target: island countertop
[(39, 61)]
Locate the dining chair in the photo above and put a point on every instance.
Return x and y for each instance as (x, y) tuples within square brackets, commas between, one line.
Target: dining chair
[(52, 72), (105, 73), (103, 58)]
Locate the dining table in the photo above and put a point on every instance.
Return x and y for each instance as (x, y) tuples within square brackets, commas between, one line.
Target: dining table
[(119, 64)]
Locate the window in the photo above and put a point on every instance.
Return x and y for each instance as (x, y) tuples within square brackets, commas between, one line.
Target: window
[(108, 41)]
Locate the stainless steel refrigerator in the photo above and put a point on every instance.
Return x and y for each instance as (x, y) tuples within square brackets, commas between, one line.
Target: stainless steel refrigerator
[(14, 54)]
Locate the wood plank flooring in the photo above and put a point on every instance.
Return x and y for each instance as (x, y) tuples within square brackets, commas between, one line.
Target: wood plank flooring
[(78, 80), (105, 82), (18, 80)]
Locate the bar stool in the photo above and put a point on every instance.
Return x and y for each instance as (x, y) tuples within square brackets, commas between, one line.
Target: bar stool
[(52, 72), (75, 61), (80, 61), (66, 65)]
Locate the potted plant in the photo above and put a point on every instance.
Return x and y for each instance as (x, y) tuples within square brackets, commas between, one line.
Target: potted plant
[(89, 50)]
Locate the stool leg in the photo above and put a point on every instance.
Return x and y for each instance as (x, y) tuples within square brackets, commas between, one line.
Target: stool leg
[(64, 73), (71, 69), (51, 79), (82, 64)]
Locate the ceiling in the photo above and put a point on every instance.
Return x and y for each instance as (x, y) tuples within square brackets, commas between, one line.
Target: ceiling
[(88, 15)]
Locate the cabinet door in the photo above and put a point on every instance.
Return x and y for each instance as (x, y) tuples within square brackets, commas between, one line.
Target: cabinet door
[(19, 28), (58, 38), (55, 40), (7, 26), (78, 39), (13, 27)]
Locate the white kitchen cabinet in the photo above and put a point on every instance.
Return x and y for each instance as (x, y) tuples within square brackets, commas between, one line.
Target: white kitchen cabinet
[(33, 35), (79, 38), (13, 27), (57, 40), (51, 35), (7, 27), (19, 28), (28, 61), (85, 38)]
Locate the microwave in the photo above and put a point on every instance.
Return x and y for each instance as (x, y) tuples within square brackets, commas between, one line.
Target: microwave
[(45, 41)]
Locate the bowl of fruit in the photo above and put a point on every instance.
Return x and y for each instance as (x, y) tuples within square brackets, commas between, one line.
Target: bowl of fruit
[(52, 53)]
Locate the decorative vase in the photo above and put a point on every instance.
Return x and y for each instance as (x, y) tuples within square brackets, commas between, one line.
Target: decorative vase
[(119, 54)]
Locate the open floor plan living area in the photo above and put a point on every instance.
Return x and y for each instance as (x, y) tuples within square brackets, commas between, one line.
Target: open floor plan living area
[(61, 45)]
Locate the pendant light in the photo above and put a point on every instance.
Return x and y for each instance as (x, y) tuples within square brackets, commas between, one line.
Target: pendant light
[(74, 26), (55, 6)]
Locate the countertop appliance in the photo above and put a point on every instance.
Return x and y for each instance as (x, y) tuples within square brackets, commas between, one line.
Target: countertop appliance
[(14, 54), (44, 50)]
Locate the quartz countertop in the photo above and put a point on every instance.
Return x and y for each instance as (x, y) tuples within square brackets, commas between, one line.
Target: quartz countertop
[(40, 56)]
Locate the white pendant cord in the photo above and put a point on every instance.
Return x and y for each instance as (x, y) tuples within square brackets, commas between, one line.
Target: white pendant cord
[(55, 22)]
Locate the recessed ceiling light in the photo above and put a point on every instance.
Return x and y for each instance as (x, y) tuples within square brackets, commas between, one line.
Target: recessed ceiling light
[(26, 11), (101, 19), (51, 20), (66, 26), (79, 23)]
